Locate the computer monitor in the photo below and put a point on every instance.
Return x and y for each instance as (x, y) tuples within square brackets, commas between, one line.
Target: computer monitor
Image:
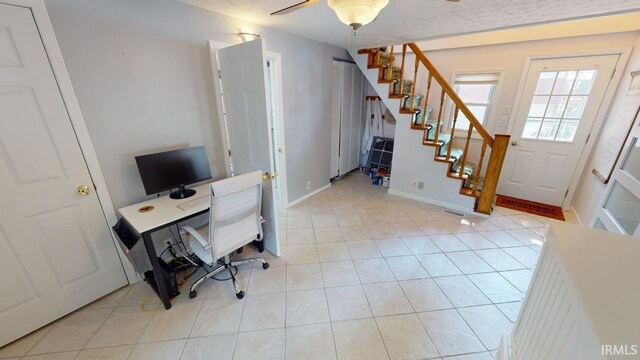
[(171, 170)]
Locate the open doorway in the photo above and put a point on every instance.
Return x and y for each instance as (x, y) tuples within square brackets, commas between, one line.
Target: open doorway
[(276, 122)]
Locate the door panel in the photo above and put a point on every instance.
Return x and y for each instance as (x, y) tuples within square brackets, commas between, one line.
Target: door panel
[(559, 103), (336, 106), (346, 117), (244, 97), (620, 208), (57, 246), (356, 119)]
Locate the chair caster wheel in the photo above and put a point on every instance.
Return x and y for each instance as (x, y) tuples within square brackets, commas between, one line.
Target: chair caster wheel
[(265, 266), (240, 295), (192, 294)]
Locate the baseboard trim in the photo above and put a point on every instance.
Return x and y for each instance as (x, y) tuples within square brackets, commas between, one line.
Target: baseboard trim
[(305, 197), (575, 213), (443, 204)]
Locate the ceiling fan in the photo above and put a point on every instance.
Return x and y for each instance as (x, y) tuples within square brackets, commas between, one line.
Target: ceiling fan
[(294, 7), (354, 13)]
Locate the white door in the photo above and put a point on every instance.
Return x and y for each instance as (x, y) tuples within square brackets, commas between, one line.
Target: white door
[(346, 117), (244, 96), (559, 103), (57, 251), (620, 211), (356, 117), (336, 104)]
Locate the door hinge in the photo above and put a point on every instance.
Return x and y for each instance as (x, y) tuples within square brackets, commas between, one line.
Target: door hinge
[(219, 74), (566, 193), (588, 137), (613, 73)]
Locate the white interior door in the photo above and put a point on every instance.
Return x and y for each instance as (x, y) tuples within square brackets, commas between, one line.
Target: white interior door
[(559, 103), (244, 96), (336, 104), (57, 251), (346, 117), (620, 211), (356, 117)]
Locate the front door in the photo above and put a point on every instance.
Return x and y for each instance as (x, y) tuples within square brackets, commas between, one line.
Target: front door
[(243, 80), (559, 103), (56, 246)]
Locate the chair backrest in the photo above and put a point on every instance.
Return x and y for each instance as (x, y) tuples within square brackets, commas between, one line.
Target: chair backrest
[(234, 214)]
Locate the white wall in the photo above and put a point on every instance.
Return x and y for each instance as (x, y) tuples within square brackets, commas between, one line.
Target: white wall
[(141, 70), (590, 191)]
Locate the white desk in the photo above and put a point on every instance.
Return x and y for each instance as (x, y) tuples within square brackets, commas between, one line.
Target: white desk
[(164, 214), (166, 211)]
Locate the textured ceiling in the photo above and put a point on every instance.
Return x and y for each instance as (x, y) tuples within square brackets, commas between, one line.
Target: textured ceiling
[(404, 20)]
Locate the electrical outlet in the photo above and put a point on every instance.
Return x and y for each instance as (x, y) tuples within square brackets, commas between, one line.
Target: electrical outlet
[(414, 184), (420, 185), (308, 185)]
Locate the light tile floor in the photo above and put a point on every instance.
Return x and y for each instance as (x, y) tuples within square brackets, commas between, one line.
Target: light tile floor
[(363, 275)]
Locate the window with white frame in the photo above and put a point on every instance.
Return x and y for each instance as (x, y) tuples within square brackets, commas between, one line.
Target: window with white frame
[(477, 92)]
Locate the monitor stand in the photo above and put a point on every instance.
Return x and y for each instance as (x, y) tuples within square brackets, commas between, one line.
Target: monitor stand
[(182, 193)]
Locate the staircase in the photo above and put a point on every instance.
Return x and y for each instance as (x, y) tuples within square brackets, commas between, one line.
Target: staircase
[(475, 181)]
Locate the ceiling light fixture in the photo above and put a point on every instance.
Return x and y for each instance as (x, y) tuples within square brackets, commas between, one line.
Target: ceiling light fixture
[(248, 36), (356, 13)]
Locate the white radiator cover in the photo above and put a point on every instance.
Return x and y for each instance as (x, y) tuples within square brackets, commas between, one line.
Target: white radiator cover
[(584, 299)]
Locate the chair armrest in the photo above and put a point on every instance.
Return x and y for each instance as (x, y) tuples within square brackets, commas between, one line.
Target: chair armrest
[(196, 235)]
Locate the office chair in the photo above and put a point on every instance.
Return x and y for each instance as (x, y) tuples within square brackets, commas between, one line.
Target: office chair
[(234, 221)]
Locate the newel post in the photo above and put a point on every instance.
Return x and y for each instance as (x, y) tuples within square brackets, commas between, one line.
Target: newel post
[(494, 167)]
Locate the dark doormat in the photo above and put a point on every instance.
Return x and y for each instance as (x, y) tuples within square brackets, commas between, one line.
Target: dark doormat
[(531, 207)]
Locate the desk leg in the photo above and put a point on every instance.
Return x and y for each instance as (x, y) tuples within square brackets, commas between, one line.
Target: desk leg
[(157, 270)]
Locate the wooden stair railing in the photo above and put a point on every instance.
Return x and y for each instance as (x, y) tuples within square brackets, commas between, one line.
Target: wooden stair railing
[(459, 165)]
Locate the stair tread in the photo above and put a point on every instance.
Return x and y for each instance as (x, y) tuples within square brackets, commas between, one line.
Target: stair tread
[(469, 168)]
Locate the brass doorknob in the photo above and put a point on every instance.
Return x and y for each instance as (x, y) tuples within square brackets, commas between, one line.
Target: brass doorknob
[(266, 176), (84, 190)]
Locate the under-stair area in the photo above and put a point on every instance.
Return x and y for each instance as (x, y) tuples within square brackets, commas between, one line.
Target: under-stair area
[(452, 146)]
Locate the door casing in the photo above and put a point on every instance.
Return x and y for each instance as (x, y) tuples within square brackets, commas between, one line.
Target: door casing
[(624, 54)]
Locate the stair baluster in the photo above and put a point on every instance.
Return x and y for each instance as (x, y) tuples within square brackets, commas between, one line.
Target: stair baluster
[(426, 102), (401, 80), (466, 149), (440, 111), (453, 130), (390, 66), (478, 171), (413, 86)]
